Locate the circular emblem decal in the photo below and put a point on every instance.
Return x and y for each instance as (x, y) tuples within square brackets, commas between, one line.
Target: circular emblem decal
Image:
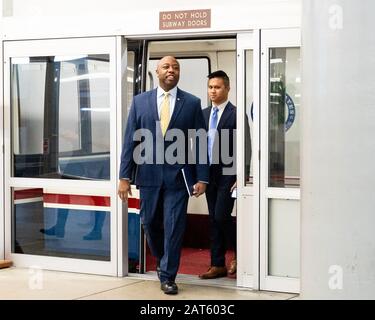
[(291, 112)]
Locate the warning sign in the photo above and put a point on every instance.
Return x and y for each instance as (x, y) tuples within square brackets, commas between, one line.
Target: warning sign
[(187, 19)]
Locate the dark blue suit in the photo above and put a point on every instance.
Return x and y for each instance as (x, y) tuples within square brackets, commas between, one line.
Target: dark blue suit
[(163, 194), (219, 200)]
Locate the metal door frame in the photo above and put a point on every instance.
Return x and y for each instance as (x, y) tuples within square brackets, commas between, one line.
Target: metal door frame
[(2, 217)]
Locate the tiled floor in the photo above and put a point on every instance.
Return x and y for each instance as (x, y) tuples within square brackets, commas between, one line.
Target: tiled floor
[(24, 284)]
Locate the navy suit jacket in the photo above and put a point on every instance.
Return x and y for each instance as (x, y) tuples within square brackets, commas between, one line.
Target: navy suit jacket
[(187, 114), (227, 121)]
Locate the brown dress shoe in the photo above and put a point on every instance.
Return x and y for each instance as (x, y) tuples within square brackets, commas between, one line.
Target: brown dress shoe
[(214, 272), (233, 267), (5, 264)]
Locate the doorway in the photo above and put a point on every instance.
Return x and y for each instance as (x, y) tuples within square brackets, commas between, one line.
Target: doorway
[(197, 58)]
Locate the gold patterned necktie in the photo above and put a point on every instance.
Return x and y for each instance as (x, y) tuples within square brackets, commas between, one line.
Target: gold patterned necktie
[(165, 113)]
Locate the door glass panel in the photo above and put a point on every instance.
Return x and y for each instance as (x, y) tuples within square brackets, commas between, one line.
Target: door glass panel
[(249, 116), (134, 234), (134, 221), (27, 78), (284, 117), (61, 225), (60, 117), (130, 77), (283, 238)]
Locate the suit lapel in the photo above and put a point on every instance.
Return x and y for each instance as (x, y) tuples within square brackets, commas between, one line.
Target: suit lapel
[(177, 107), (225, 116), (206, 115), (153, 103)]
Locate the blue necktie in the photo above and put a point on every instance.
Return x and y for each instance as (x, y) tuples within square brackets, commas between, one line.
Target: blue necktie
[(212, 131)]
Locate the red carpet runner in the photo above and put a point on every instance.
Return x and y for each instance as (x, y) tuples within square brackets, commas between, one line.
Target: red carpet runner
[(193, 261)]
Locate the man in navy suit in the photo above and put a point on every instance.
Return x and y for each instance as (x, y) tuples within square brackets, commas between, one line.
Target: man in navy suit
[(158, 114), (221, 121)]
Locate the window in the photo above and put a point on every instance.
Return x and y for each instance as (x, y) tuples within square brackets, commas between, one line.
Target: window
[(284, 110), (61, 117)]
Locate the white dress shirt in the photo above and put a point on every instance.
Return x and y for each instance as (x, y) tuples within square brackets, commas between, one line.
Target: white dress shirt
[(172, 99)]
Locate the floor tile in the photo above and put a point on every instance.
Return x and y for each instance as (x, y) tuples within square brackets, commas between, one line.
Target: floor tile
[(19, 283)]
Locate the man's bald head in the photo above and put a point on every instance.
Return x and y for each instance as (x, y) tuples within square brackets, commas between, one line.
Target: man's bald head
[(168, 71)]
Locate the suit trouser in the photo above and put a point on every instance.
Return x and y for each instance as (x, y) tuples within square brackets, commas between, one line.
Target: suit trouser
[(222, 228), (163, 214)]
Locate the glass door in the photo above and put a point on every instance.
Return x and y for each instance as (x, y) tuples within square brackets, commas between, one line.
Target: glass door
[(268, 159), (60, 154), (248, 122), (280, 160)]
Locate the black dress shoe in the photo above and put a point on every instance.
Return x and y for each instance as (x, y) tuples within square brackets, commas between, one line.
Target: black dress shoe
[(169, 287)]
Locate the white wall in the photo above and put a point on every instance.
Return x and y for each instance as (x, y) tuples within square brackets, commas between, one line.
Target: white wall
[(28, 8), (338, 167), (44, 18)]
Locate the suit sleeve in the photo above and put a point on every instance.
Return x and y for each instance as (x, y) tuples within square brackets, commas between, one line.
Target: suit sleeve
[(128, 165), (202, 168)]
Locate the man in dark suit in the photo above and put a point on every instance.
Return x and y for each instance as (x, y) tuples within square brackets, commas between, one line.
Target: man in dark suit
[(158, 114), (221, 121)]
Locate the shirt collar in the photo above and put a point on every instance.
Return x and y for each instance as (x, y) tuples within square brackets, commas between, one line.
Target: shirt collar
[(172, 92), (221, 106)]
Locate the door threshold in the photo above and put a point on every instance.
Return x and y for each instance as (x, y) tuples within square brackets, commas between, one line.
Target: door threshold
[(226, 283)]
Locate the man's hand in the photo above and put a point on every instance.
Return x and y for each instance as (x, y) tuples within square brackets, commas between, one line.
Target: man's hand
[(233, 187), (124, 189), (199, 188)]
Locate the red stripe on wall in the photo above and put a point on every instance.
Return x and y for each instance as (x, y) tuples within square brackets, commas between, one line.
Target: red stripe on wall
[(28, 193), (97, 201), (134, 203)]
